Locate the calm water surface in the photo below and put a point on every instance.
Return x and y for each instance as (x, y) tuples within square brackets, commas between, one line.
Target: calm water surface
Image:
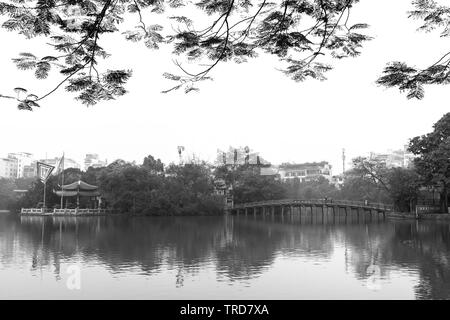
[(223, 258)]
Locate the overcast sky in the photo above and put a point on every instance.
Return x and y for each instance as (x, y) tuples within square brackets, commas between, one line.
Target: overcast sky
[(248, 104)]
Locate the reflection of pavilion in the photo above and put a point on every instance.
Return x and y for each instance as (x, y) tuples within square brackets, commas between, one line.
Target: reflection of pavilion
[(80, 189)]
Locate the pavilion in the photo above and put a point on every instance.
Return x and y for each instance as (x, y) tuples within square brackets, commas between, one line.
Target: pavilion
[(79, 189)]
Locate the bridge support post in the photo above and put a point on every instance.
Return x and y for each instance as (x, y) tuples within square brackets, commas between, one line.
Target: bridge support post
[(282, 213), (246, 211), (273, 213)]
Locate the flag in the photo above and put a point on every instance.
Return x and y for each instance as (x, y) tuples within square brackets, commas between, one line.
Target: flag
[(60, 167), (44, 170)]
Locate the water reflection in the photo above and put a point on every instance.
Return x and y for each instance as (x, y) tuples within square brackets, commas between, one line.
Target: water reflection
[(245, 252)]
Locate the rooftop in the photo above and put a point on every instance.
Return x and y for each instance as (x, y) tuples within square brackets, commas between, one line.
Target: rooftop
[(305, 165)]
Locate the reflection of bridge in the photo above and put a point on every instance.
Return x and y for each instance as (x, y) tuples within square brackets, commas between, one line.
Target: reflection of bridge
[(288, 206)]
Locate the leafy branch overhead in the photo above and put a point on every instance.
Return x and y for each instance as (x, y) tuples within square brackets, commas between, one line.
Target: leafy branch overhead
[(304, 34), (412, 79)]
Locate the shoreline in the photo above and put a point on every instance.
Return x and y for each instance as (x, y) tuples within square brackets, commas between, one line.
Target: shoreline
[(389, 215), (420, 216)]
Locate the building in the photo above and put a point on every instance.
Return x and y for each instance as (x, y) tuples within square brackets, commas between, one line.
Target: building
[(30, 171), (8, 168), (23, 159), (400, 158), (239, 156), (305, 171), (269, 171), (93, 160), (68, 163), (338, 181)]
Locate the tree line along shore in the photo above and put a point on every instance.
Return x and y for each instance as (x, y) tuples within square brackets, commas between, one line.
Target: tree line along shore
[(152, 188)]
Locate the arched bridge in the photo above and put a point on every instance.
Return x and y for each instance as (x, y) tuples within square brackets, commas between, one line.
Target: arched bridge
[(290, 206)]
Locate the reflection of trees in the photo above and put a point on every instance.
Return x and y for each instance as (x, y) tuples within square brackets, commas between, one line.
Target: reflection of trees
[(256, 244), (429, 245), (124, 242), (240, 248), (423, 247)]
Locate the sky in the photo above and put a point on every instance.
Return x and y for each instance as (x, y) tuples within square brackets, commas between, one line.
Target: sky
[(250, 104)]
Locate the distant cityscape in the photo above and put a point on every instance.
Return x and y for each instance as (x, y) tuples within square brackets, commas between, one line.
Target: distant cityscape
[(310, 171), (24, 164)]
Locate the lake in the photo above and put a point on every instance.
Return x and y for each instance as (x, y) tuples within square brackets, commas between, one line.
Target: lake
[(226, 257)]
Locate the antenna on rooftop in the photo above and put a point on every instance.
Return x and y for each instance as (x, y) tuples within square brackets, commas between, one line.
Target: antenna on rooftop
[(343, 160), (180, 150)]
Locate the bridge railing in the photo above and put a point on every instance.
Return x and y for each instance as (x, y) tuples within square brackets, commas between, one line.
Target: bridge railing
[(327, 202)]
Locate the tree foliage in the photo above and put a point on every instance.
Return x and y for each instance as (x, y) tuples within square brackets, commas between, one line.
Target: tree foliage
[(372, 180), (433, 157), (303, 34), (149, 188), (411, 79), (318, 188), (8, 197), (248, 185)]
